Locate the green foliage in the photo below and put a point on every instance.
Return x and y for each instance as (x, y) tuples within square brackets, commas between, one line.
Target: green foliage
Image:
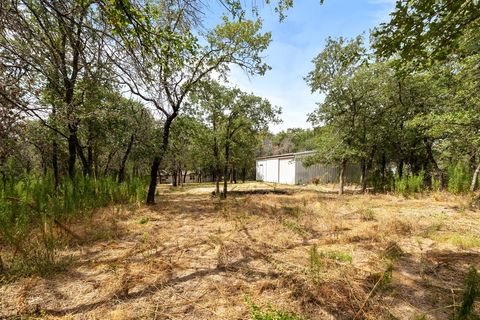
[(409, 183), (270, 313), (459, 178), (292, 225), (385, 278), (31, 209), (470, 294), (367, 214), (316, 264), (421, 32), (336, 255)]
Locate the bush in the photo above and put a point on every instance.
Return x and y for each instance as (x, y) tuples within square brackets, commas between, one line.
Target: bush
[(409, 183), (270, 313), (32, 208), (470, 294), (459, 178)]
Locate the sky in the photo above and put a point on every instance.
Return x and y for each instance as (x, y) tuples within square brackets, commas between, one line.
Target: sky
[(295, 42)]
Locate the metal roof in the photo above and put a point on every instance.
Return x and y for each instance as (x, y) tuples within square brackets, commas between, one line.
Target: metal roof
[(287, 155)]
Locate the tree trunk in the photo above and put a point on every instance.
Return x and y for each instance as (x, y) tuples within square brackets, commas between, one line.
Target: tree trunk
[(72, 155), (473, 185), (343, 167), (174, 178), (384, 167), (121, 171), (400, 168), (158, 158), (55, 153), (109, 159), (436, 169), (234, 175), (153, 180), (225, 170), (185, 176), (90, 157), (217, 163), (363, 177), (244, 174)]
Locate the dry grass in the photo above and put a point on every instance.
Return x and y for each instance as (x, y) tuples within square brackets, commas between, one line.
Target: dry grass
[(192, 257)]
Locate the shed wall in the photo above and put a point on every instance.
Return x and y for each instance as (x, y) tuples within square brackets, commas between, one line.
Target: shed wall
[(261, 166), (325, 173)]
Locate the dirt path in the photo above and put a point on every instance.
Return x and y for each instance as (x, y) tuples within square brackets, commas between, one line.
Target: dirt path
[(191, 257)]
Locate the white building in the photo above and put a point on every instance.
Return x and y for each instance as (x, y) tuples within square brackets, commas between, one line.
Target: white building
[(288, 169)]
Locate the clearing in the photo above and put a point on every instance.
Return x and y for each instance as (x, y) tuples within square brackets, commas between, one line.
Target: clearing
[(303, 250)]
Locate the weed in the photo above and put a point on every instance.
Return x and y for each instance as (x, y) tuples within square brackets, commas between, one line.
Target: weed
[(144, 220), (385, 278), (295, 227), (316, 264), (409, 183), (464, 241), (470, 294), (337, 256), (34, 208), (293, 211), (459, 177), (270, 313), (367, 214), (432, 229), (393, 251)]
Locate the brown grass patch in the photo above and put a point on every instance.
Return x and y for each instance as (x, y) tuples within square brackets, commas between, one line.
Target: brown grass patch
[(191, 256)]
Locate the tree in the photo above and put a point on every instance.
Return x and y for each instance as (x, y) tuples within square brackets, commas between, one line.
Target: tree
[(346, 102), (232, 116), (164, 62), (422, 32), (53, 43)]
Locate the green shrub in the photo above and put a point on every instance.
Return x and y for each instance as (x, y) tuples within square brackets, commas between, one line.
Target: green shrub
[(470, 294), (270, 313), (459, 178), (31, 209), (409, 183), (316, 264)]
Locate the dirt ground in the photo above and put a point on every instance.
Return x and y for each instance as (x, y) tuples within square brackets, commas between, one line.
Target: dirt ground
[(303, 250)]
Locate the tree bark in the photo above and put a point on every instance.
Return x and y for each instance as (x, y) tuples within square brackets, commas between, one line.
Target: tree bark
[(363, 177), (400, 168), (158, 159), (436, 169), (121, 171), (343, 167), (473, 184), (153, 180), (217, 161), (225, 170), (109, 159), (55, 153), (72, 155)]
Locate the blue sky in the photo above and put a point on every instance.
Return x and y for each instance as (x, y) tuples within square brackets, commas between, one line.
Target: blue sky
[(296, 41)]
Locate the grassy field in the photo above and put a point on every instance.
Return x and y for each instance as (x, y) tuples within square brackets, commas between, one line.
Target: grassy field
[(279, 251)]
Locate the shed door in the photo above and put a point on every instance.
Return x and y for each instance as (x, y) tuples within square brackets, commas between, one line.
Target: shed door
[(272, 170), (286, 171)]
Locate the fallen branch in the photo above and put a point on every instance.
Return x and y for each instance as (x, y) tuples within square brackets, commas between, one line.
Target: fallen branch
[(368, 297)]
